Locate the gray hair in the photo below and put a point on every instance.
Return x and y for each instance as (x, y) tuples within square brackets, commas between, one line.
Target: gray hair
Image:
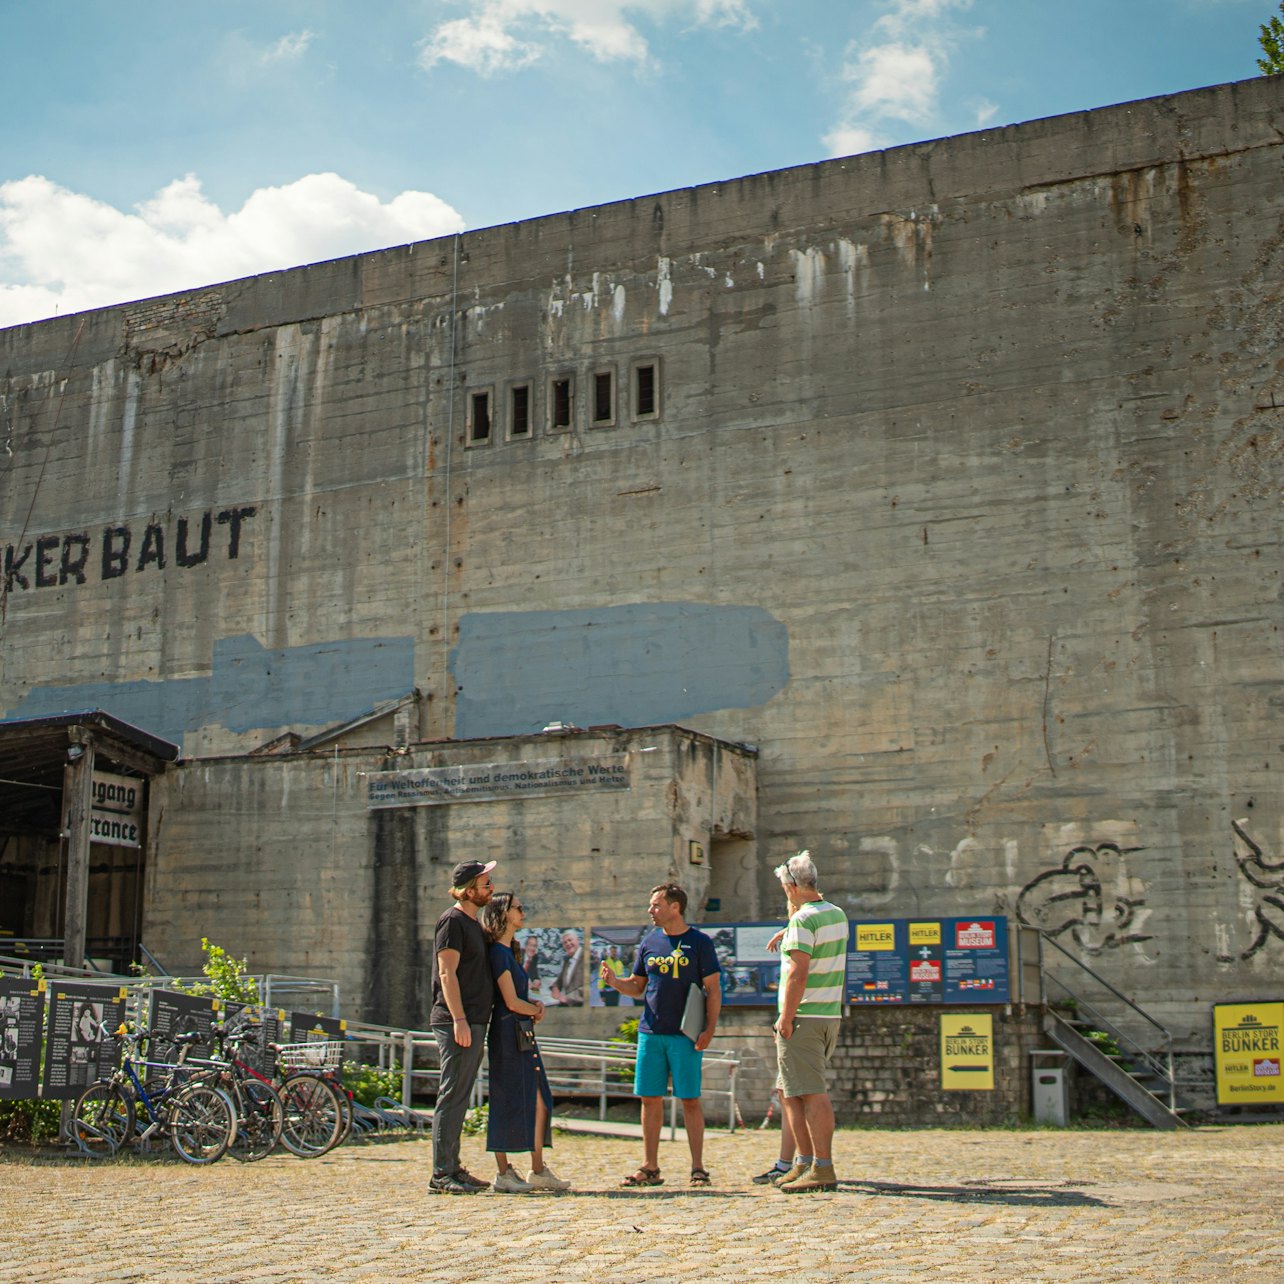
[(799, 870)]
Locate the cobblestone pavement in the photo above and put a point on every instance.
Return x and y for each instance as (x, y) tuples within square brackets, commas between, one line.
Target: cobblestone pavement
[(994, 1205)]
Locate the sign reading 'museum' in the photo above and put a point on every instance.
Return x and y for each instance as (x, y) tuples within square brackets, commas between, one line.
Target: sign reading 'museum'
[(495, 781)]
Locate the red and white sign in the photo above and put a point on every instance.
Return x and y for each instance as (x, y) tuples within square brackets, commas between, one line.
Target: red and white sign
[(974, 936), (1266, 1067), (926, 970)]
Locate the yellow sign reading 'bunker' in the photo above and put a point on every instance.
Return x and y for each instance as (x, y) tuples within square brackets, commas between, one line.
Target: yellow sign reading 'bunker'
[(967, 1052), (1246, 1052)]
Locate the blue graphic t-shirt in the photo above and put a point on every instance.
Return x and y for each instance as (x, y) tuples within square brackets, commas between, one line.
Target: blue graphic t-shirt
[(671, 965)]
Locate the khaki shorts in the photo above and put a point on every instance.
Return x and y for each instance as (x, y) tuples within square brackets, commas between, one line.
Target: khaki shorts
[(804, 1057)]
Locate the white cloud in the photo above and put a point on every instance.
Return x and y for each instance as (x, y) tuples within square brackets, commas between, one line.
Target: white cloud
[(290, 48), (62, 251), (895, 72), (505, 35)]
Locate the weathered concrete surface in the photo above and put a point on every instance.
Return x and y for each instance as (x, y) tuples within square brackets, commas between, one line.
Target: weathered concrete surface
[(964, 1206), (287, 866), (987, 426)]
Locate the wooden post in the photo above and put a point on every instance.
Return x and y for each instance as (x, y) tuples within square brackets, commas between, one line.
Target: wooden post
[(77, 806)]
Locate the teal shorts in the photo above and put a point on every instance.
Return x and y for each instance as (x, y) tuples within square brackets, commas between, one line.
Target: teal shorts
[(662, 1055)]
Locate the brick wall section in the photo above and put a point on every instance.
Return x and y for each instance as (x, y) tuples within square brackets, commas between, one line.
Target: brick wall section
[(887, 1069)]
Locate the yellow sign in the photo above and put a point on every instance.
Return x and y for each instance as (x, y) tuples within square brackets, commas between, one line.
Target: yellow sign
[(1246, 1053), (925, 934), (967, 1052), (875, 936)]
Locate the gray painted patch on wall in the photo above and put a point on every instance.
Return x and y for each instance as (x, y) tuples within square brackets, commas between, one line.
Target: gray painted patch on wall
[(250, 688), (638, 665)]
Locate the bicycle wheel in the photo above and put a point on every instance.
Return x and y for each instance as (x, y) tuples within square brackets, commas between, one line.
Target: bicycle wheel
[(260, 1117), (201, 1124), (314, 1115), (102, 1120)]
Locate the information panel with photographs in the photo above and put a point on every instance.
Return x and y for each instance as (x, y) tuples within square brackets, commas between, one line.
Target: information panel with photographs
[(173, 1014), (556, 968), (750, 972), (263, 1026), (82, 1046), (916, 960), (22, 1016)]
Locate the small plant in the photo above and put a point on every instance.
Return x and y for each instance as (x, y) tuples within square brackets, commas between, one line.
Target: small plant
[(1105, 1042), (475, 1121), (30, 1121), (227, 979), (626, 1033), (368, 1083)]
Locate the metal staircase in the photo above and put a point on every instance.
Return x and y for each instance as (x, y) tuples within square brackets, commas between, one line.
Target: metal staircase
[(1109, 1035)]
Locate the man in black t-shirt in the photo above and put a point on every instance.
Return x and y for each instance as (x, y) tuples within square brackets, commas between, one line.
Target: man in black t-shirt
[(461, 1003)]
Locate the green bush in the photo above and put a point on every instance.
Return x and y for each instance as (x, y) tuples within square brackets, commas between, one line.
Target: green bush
[(368, 1083), (30, 1121)]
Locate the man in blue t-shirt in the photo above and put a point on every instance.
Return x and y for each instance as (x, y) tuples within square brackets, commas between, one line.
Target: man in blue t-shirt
[(671, 960)]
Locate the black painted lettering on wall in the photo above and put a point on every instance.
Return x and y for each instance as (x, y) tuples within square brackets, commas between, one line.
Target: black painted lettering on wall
[(46, 546), (73, 565), (234, 517), (153, 551), (181, 553), (116, 540), (49, 561)]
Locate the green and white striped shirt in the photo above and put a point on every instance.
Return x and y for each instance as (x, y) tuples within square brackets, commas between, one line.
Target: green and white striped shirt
[(818, 929)]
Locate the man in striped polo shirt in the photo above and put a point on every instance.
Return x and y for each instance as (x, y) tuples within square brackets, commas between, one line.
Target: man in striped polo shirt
[(813, 964)]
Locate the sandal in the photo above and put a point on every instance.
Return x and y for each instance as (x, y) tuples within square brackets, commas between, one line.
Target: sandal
[(699, 1177), (644, 1177)]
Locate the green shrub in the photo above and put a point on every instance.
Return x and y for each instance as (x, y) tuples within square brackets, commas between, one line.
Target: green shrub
[(30, 1121), (368, 1083)]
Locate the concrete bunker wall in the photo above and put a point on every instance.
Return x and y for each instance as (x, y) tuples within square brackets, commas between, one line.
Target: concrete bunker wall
[(959, 495)]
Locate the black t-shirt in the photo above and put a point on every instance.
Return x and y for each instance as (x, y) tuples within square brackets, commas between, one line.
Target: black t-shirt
[(457, 931)]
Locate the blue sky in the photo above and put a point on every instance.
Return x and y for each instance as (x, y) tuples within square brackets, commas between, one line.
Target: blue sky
[(148, 148)]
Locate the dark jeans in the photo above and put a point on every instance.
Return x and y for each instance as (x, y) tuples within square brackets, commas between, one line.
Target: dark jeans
[(459, 1068)]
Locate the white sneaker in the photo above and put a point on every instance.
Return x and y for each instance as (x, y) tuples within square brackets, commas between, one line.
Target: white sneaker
[(546, 1179), (509, 1183)]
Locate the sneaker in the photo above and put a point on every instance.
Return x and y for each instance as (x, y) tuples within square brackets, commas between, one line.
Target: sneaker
[(465, 1178), (774, 1173), (792, 1173), (546, 1179), (817, 1177), (509, 1182), (449, 1184)]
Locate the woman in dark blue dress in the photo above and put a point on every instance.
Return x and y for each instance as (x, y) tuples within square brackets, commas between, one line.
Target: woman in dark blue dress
[(521, 1104)]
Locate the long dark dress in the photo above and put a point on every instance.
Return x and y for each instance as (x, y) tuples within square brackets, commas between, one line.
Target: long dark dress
[(515, 1076)]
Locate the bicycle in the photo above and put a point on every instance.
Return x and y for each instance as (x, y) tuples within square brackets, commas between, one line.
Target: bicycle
[(260, 1113), (197, 1117)]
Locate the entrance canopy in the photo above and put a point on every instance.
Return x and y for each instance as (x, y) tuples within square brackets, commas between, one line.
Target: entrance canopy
[(34, 752)]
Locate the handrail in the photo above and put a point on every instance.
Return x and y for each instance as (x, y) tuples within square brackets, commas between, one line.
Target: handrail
[(1163, 1069), (1123, 998)]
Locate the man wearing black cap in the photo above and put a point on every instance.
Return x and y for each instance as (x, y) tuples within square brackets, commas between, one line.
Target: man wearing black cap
[(461, 1002)]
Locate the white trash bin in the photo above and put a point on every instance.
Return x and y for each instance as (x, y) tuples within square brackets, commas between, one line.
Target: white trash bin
[(1050, 1087)]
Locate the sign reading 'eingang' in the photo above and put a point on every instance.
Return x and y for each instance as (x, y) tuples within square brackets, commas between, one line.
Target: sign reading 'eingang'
[(495, 781)]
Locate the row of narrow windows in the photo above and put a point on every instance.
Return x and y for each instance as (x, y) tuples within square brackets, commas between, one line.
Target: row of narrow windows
[(513, 413)]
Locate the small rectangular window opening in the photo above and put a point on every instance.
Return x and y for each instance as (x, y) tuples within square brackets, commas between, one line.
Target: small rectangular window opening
[(479, 424), (520, 420), (604, 398), (645, 391), (561, 409)]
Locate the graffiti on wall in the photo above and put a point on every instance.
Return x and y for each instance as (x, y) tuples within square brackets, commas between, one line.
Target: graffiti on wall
[(1091, 896), (1262, 882)]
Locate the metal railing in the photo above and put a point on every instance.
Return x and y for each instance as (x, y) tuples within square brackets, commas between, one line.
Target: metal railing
[(1157, 1061)]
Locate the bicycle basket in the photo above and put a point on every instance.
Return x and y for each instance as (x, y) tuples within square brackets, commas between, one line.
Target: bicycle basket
[(326, 1054)]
